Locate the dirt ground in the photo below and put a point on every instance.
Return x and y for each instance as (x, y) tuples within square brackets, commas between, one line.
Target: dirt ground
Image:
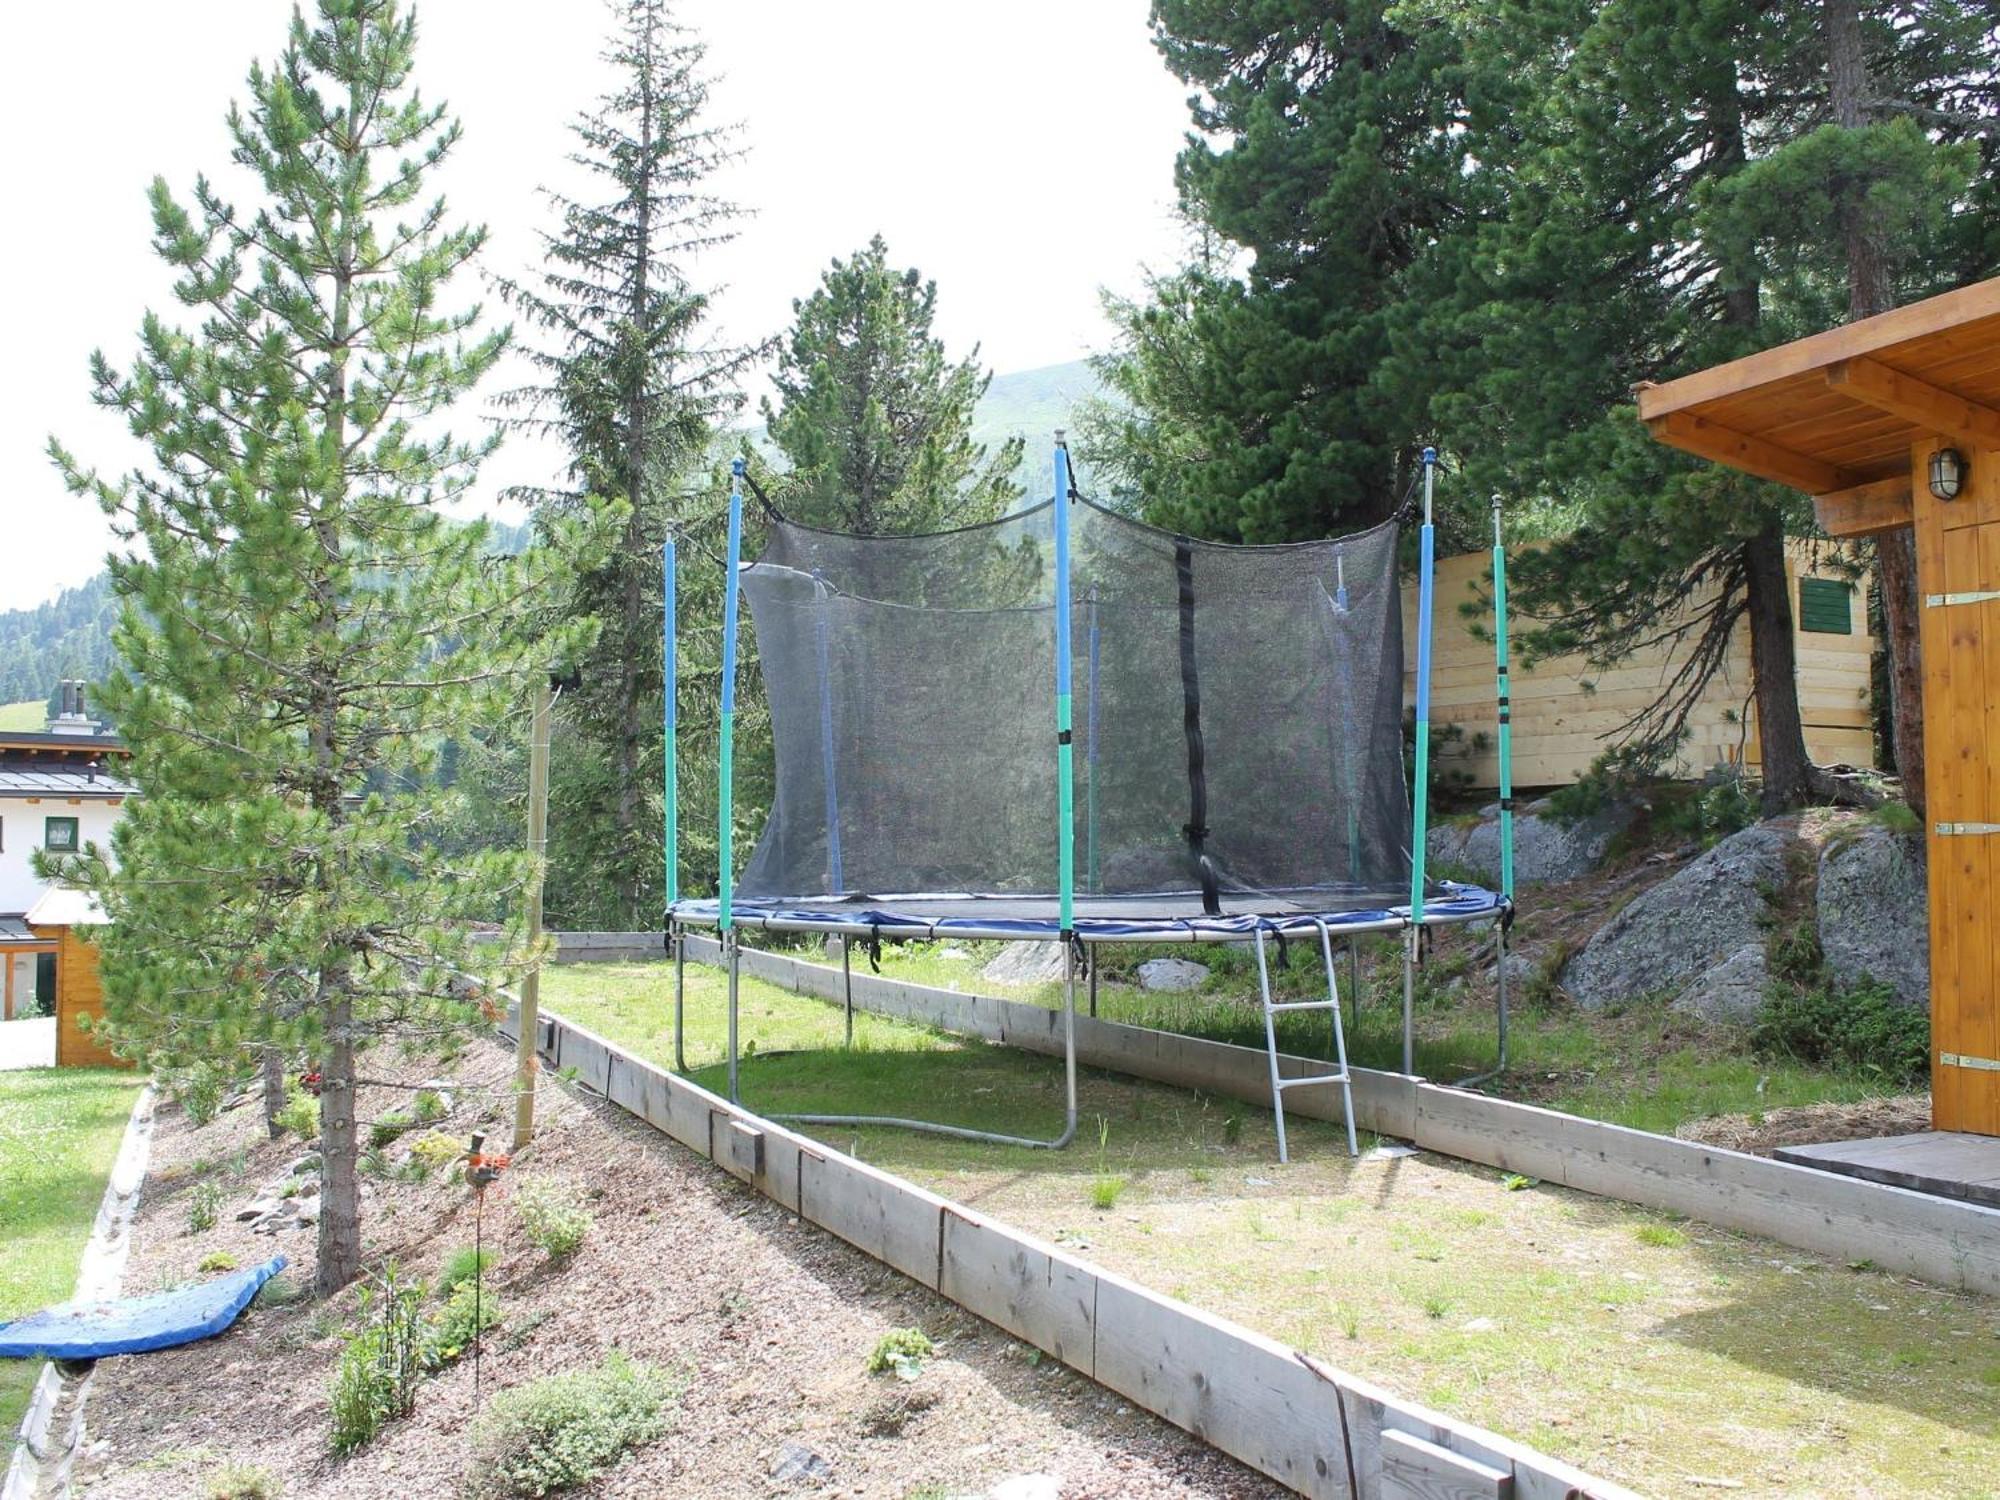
[(768, 1319)]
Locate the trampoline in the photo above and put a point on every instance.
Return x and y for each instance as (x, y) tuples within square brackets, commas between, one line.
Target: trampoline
[(1067, 725)]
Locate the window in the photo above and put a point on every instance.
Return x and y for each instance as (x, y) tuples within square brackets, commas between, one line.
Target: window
[(59, 836), (1826, 606)]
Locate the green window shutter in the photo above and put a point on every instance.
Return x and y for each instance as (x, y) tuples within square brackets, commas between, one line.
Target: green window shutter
[(1826, 606)]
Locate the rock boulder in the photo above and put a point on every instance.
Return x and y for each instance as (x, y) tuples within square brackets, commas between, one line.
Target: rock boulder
[(1874, 914), (1546, 848)]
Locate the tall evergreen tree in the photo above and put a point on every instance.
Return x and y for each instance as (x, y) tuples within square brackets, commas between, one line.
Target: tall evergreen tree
[(873, 418), (634, 386), (1330, 147), (301, 627)]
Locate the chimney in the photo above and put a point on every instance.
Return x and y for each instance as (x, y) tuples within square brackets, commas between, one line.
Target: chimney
[(70, 716)]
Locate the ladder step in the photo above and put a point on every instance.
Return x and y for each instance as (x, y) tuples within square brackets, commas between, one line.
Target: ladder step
[(1301, 1005), (1292, 1083)]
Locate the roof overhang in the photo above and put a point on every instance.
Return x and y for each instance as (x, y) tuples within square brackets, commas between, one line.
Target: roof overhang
[(60, 906), (1837, 414)]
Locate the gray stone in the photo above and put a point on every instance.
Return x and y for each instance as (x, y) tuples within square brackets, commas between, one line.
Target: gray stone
[(1026, 1487), (1702, 916), (1545, 847), (1874, 913), (1732, 992), (798, 1464), (1171, 974), (1519, 971), (1026, 963)]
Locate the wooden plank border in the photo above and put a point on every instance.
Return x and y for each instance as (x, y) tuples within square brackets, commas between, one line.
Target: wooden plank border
[(1946, 1241), (1291, 1418)]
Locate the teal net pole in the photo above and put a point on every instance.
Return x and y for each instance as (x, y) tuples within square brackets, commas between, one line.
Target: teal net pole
[(1065, 788), (1504, 702), (671, 714), (726, 767), (1420, 789)]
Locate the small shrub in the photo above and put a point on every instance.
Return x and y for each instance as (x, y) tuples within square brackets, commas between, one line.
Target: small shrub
[(217, 1260), (1897, 817), (376, 1380), (241, 1482), (1105, 1191), (301, 1113), (902, 1350), (564, 1430), (1861, 1030), (436, 1151), (204, 1207), (1661, 1236), (201, 1091), (552, 1216), (461, 1266), (281, 1291), (428, 1106), (462, 1319), (387, 1128), (1728, 806)]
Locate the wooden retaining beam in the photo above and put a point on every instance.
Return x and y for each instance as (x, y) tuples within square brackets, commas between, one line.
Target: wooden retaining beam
[(1320, 1431), (1945, 1241)]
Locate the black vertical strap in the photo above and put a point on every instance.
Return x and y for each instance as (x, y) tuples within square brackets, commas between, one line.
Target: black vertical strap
[(1197, 823)]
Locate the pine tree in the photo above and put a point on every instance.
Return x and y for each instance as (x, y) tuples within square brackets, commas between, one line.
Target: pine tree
[(635, 389), (301, 627), (874, 420)]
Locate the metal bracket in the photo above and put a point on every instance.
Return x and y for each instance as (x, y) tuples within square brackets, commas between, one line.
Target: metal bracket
[(1963, 1060), (1934, 601), (1948, 829)]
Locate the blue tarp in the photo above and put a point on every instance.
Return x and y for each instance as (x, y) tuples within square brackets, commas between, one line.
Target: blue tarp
[(132, 1325)]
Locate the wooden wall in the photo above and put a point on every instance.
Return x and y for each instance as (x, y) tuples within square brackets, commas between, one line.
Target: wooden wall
[(79, 993), (1958, 555), (1567, 713)]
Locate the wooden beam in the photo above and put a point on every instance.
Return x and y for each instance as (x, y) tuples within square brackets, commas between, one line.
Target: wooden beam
[(1866, 509), (1874, 335), (1753, 455), (1944, 412)]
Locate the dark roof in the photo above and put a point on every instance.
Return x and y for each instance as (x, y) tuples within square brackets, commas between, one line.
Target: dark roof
[(42, 740)]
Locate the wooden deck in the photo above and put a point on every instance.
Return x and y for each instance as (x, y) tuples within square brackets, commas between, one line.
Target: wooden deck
[(1948, 1163)]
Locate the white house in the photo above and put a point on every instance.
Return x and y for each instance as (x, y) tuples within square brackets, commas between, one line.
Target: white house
[(59, 790)]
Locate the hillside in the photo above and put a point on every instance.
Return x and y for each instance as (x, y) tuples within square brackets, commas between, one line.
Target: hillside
[(71, 635)]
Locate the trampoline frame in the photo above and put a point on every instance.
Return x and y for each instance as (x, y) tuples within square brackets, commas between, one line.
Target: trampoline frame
[(1076, 937)]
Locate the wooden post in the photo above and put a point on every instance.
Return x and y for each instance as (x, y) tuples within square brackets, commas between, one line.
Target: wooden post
[(531, 982), (7, 1006)]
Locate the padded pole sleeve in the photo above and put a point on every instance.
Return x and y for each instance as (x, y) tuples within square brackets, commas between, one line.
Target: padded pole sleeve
[(1504, 700), (670, 712), (1420, 789), (1065, 788), (726, 767)]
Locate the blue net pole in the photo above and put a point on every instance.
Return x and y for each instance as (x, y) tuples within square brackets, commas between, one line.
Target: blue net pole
[(1065, 789), (671, 713), (726, 759), (1504, 702)]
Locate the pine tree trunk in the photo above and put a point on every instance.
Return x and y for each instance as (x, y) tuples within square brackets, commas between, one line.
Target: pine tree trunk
[(1869, 292), (1774, 660), (274, 1090), (339, 1182)]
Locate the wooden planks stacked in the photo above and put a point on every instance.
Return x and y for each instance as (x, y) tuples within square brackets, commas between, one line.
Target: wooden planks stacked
[(1567, 713)]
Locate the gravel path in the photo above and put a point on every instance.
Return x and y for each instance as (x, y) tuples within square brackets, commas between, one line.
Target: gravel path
[(769, 1319)]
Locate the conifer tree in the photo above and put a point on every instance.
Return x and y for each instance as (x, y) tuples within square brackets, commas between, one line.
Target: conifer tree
[(874, 419), (634, 386), (301, 627)]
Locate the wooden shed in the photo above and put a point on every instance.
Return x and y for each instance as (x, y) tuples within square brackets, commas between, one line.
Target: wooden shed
[(1567, 713), (64, 919), (1854, 417)]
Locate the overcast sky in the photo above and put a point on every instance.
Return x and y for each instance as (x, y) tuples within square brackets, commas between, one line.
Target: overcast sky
[(1020, 154)]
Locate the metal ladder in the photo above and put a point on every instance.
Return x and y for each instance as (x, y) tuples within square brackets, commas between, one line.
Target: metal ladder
[(1272, 1008)]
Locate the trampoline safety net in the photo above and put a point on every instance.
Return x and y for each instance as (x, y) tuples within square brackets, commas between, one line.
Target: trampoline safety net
[(1237, 712)]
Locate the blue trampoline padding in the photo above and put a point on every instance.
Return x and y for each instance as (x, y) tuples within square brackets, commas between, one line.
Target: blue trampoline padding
[(133, 1325), (1118, 917)]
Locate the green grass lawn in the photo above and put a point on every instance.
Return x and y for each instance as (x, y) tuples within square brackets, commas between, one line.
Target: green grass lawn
[(59, 1133), (1662, 1353)]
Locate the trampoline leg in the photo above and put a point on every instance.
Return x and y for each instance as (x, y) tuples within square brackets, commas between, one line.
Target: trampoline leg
[(1069, 1045), (1271, 1047), (847, 986), (1354, 975), (680, 1002), (1410, 1001), (734, 956), (1093, 987), (1500, 998)]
